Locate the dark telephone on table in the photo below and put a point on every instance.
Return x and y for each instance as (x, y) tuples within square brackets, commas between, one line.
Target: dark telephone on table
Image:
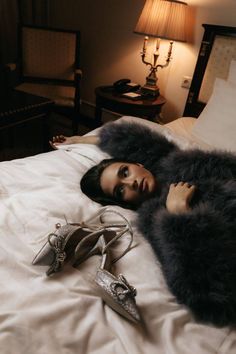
[(125, 85)]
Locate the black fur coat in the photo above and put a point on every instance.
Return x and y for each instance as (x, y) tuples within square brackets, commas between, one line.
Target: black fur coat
[(197, 250)]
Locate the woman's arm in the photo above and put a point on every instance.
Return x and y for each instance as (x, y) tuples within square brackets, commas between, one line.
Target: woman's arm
[(194, 249), (134, 142), (76, 139), (125, 141), (197, 165)]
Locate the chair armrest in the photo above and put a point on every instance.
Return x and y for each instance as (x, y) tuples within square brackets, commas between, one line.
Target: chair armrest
[(78, 72), (12, 75), (78, 76), (11, 67)]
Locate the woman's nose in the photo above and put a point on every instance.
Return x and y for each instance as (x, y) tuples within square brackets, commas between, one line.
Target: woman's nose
[(132, 183)]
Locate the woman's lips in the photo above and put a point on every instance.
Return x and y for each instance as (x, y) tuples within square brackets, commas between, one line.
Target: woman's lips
[(143, 186)]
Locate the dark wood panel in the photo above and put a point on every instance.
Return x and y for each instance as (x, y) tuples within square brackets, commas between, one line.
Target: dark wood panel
[(24, 121), (21, 140)]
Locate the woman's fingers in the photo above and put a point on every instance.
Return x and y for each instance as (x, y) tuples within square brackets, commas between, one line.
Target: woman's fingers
[(61, 138), (179, 196), (191, 191), (57, 139), (53, 145)]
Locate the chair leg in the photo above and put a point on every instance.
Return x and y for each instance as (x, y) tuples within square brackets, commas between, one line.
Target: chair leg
[(76, 116), (46, 130), (75, 122)]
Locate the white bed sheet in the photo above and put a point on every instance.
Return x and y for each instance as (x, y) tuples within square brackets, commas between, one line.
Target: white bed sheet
[(63, 314)]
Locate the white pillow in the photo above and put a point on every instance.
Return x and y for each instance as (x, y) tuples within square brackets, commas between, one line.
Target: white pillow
[(216, 124), (232, 72)]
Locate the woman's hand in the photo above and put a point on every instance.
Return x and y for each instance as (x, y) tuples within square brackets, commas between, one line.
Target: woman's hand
[(76, 139), (62, 139), (179, 197)]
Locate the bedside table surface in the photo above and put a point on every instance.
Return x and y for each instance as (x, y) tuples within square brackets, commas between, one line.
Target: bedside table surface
[(108, 93), (108, 98)]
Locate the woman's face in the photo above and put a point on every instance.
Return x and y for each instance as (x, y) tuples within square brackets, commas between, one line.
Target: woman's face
[(127, 182)]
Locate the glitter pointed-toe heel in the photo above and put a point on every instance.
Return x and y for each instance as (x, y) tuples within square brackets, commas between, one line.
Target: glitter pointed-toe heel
[(115, 291)]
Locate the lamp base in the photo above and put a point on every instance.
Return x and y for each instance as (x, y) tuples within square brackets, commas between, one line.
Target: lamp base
[(151, 88), (151, 91)]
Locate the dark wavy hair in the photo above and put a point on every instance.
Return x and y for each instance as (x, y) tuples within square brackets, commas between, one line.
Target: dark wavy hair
[(90, 185)]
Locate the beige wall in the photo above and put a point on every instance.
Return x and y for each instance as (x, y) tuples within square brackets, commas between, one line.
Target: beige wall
[(110, 50)]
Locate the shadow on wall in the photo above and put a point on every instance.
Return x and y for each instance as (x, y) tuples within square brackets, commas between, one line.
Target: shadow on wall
[(170, 112)]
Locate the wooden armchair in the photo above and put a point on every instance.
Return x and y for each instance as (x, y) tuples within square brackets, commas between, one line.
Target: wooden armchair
[(49, 66)]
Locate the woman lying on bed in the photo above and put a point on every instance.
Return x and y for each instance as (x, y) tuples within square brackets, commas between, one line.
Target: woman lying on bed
[(186, 205)]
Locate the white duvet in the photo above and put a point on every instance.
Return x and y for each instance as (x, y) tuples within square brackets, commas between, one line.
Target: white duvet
[(63, 314)]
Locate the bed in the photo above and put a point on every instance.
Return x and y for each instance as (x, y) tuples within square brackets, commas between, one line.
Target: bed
[(63, 313)]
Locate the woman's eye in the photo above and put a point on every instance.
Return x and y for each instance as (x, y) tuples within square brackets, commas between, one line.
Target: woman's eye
[(120, 192), (125, 171)]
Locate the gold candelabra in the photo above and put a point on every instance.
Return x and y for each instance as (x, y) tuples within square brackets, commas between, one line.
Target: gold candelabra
[(151, 88)]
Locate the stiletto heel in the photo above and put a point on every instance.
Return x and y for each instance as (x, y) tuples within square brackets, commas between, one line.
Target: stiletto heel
[(89, 246), (112, 231)]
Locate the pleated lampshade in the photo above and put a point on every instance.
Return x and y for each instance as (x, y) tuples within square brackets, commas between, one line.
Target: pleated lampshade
[(163, 19)]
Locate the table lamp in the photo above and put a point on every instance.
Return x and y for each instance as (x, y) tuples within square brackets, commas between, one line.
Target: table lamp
[(163, 19)]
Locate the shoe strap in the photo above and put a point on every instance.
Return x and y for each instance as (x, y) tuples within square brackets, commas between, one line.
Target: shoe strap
[(101, 212), (122, 229), (59, 241)]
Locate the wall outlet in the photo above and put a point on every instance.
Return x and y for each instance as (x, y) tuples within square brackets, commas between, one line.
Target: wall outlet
[(186, 82)]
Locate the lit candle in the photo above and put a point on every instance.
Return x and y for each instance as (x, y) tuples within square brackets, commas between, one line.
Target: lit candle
[(158, 44), (145, 44)]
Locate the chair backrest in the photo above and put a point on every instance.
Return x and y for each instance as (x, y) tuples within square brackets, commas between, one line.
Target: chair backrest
[(49, 54)]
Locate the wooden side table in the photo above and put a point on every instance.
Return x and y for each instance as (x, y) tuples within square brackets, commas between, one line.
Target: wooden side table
[(108, 98), (23, 124)]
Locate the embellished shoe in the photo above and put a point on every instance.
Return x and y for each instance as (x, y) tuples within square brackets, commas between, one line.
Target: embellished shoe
[(115, 291), (60, 246), (62, 243)]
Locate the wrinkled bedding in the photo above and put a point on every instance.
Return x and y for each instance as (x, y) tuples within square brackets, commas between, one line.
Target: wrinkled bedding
[(63, 313)]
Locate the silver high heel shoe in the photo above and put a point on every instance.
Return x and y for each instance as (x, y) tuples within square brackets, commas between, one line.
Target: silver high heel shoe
[(60, 246), (62, 243), (116, 292)]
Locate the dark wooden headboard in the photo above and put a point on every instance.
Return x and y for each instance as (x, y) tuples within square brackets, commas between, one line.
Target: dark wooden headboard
[(218, 48)]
